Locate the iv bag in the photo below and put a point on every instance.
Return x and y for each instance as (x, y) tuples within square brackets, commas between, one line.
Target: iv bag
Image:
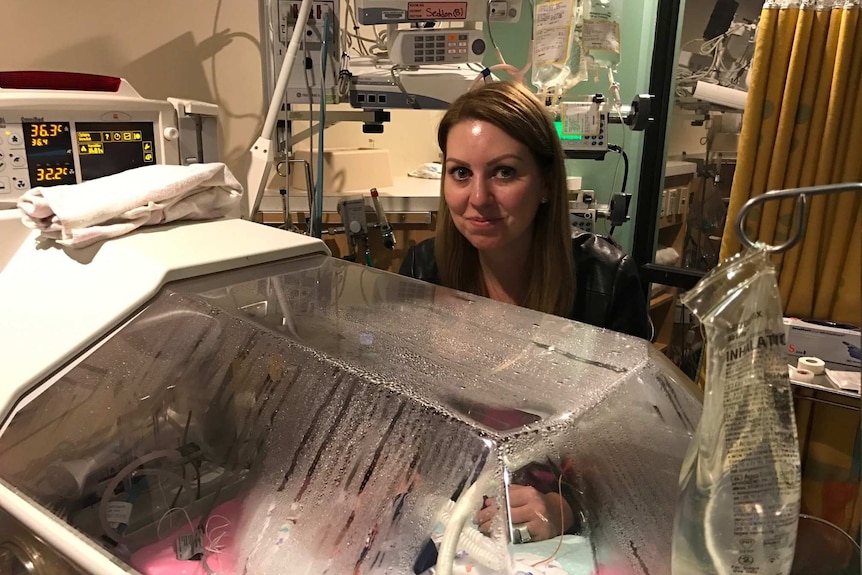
[(600, 34), (739, 499), (557, 62)]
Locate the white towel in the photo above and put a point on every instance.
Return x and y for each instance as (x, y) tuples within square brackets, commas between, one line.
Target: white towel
[(82, 214)]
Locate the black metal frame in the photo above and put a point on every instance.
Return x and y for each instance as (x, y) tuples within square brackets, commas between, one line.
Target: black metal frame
[(651, 179)]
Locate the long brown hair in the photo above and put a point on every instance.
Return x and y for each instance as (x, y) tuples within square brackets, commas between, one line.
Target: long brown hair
[(512, 108)]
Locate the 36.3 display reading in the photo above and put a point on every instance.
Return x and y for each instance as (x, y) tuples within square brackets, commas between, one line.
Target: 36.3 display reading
[(49, 153)]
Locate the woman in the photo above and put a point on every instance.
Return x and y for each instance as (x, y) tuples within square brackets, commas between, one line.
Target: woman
[(503, 226), (503, 232)]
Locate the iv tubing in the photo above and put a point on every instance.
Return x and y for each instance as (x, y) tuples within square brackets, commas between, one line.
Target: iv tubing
[(317, 208), (124, 472), (469, 501)]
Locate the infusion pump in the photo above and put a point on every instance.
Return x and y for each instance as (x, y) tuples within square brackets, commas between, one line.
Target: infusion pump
[(66, 128)]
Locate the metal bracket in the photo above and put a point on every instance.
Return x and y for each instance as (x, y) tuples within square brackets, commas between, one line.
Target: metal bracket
[(801, 196)]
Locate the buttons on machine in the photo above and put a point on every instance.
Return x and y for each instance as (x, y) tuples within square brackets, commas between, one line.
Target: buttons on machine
[(442, 48), (13, 161), (20, 184)]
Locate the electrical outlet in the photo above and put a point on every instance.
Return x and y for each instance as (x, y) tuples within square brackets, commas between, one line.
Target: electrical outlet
[(683, 200), (498, 10), (352, 212)]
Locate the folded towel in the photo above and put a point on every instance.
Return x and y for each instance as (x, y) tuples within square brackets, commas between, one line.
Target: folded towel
[(81, 214)]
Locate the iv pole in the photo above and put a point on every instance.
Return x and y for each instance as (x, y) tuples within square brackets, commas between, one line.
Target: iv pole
[(262, 153)]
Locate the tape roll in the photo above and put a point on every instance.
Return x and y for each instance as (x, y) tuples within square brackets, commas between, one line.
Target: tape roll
[(804, 376), (813, 364)]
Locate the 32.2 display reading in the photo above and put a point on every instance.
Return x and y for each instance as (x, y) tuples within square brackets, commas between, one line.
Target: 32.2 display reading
[(58, 174)]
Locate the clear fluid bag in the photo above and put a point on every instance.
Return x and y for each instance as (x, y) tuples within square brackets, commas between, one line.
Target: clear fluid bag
[(600, 35), (557, 59), (738, 507)]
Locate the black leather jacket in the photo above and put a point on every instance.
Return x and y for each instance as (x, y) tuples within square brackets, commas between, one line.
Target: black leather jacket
[(608, 294)]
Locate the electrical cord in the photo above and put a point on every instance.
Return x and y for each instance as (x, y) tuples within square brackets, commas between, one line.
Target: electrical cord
[(622, 152), (310, 123), (109, 531), (317, 213), (516, 74), (396, 77)]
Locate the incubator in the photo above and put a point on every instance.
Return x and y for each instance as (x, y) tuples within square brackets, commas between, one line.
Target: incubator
[(223, 397)]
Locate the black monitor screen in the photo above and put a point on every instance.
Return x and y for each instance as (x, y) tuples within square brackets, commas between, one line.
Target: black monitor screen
[(720, 19), (107, 148)]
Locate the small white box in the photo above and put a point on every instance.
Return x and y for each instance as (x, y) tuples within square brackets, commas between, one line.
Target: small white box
[(663, 211), (672, 202), (839, 347)]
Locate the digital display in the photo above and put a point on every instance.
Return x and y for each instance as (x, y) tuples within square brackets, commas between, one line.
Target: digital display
[(106, 148), (49, 153), (559, 127)]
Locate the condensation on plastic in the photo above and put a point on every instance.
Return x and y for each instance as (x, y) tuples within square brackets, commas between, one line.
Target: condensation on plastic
[(740, 483), (344, 406)]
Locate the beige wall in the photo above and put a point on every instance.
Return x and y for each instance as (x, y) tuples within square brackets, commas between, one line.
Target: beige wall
[(201, 49), (683, 138)]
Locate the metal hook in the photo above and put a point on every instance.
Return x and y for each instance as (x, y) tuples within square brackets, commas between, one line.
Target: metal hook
[(801, 195)]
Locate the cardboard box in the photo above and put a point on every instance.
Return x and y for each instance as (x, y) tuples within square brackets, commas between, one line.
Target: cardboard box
[(839, 347)]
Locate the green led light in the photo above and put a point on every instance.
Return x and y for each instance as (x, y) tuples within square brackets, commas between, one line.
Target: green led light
[(559, 127)]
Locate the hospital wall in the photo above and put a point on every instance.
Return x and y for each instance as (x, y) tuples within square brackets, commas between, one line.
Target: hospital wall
[(210, 50), (204, 50)]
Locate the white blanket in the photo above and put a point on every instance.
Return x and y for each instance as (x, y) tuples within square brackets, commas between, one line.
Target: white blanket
[(82, 214)]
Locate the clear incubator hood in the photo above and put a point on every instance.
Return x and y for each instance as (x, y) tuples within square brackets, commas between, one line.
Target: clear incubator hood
[(318, 416)]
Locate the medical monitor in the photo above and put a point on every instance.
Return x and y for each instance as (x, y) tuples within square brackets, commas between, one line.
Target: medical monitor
[(65, 128), (52, 149)]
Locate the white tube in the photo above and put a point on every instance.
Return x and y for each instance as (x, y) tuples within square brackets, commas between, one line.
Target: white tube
[(109, 531), (464, 508), (474, 542)]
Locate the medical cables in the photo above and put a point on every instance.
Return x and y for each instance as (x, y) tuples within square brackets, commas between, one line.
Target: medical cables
[(317, 207), (469, 501)]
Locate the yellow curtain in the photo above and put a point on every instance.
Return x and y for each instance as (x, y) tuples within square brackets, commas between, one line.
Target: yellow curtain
[(802, 126)]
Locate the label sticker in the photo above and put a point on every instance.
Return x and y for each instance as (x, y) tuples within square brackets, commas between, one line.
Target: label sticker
[(437, 10), (601, 35), (552, 32), (580, 118), (118, 513)]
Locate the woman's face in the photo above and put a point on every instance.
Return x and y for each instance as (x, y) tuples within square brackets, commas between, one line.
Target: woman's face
[(492, 186)]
